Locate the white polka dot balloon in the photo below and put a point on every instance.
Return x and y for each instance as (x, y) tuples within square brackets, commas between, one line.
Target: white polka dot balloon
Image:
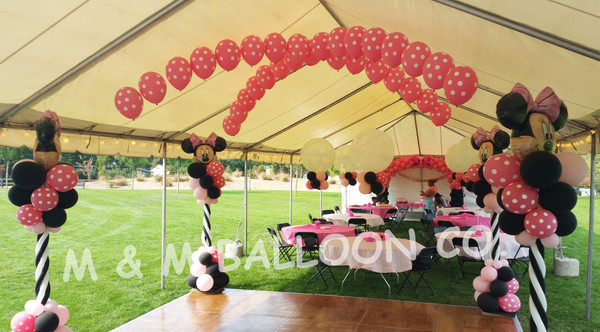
[(203, 62), (265, 77), (297, 48), (153, 87), (129, 102), (509, 302), (44, 198), (502, 170), (228, 54), (179, 72), (392, 47), (519, 198), (28, 215), (62, 177), (275, 47), (253, 50), (371, 43), (335, 42), (540, 223), (376, 71), (318, 46), (436, 68), (413, 58), (355, 66), (352, 41), (460, 85), (394, 79)]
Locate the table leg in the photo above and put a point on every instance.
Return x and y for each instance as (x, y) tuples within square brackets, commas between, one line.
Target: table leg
[(389, 287), (346, 277)]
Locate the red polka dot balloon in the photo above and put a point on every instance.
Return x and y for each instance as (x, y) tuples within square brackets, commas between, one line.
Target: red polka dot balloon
[(394, 79), (23, 322), (253, 50), (371, 43), (311, 59), (540, 223), (318, 46), (62, 177), (413, 58), (265, 76), (355, 66), (392, 47), (436, 68), (245, 100), (129, 102), (291, 64), (440, 114), (179, 72), (231, 126), (215, 168), (280, 70), (219, 181), (519, 198), (501, 170), (410, 89), (254, 88), (44, 198), (352, 41), (297, 48), (509, 302), (335, 62), (460, 85), (153, 87), (513, 285), (473, 172), (275, 47), (28, 215), (335, 42), (237, 113), (376, 71), (228, 54), (427, 101), (203, 62)]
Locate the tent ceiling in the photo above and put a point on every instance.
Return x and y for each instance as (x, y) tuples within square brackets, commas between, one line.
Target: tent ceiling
[(72, 56)]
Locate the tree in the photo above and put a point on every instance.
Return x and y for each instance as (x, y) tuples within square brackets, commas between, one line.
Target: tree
[(87, 167)]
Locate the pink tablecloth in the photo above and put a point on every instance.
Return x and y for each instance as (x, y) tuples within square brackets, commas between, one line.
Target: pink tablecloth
[(464, 219), (289, 232), (378, 210), (417, 205)]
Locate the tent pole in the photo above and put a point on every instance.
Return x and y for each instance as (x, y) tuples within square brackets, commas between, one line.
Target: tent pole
[(320, 203), (246, 202), (178, 175), (291, 183), (588, 293), (164, 217)]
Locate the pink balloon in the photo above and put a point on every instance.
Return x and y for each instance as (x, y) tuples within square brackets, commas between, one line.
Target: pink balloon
[(237, 113), (205, 282), (280, 70), (245, 100), (436, 68), (364, 188), (200, 193), (519, 198), (209, 200), (153, 87), (44, 198), (440, 114), (318, 46), (228, 54), (29, 215), (197, 269), (353, 41), (489, 273), (298, 48), (129, 102), (376, 71), (254, 88), (53, 229), (509, 302), (460, 85), (179, 72), (335, 42), (62, 177), (394, 79), (194, 183), (413, 58), (311, 59), (502, 169), (392, 47), (476, 295), (230, 126), (410, 89), (427, 101), (481, 285), (23, 321), (275, 47), (551, 241), (371, 43), (38, 228), (203, 62), (253, 49), (355, 66), (488, 262), (360, 177), (335, 62), (540, 223), (504, 262), (513, 285), (525, 239), (51, 305), (497, 264), (63, 329), (265, 77), (574, 168), (34, 307), (292, 65), (63, 315)]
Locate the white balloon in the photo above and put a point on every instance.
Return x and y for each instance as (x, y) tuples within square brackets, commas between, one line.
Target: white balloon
[(460, 156), (343, 159), (372, 150), (317, 154)]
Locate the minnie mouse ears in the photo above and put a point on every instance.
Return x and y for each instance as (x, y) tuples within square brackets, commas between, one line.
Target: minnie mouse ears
[(499, 138), (190, 144)]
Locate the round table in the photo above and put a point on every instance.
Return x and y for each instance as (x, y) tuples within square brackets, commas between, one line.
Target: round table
[(289, 233), (465, 219), (374, 209), (342, 218), (447, 210), (508, 245)]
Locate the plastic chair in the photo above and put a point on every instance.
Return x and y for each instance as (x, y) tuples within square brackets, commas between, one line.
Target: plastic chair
[(324, 212), (519, 265), (421, 265)]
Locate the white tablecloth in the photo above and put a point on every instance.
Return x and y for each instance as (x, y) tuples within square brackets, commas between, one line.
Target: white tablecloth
[(508, 245), (388, 256), (342, 218), (448, 210)]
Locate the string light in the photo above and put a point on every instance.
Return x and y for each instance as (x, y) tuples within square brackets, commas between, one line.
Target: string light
[(65, 140), (101, 142), (133, 143), (27, 133)]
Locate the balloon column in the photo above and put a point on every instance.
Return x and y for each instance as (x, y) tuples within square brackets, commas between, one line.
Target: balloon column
[(206, 271), (384, 57), (535, 185), (43, 190)]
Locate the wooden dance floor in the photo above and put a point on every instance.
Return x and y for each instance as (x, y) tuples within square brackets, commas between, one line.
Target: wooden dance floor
[(248, 310)]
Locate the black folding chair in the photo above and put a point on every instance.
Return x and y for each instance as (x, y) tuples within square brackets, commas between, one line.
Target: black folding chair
[(360, 224), (459, 243), (324, 212), (284, 248), (337, 209), (519, 264), (421, 265), (427, 240), (279, 226), (309, 242)]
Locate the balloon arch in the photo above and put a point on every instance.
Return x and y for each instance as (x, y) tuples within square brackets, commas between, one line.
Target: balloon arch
[(429, 162)]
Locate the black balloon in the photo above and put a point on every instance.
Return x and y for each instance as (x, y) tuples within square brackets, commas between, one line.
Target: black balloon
[(196, 170), (469, 186), (488, 302), (311, 176), (376, 188), (511, 223), (511, 110), (46, 322), (370, 177), (505, 274), (348, 176), (499, 198), (480, 173), (567, 222), (55, 217), (352, 182), (191, 281), (67, 199), (212, 269), (28, 175), (205, 258), (19, 196), (316, 184), (220, 280), (498, 288), (213, 192), (207, 181), (541, 169), (559, 198), (479, 201), (481, 188)]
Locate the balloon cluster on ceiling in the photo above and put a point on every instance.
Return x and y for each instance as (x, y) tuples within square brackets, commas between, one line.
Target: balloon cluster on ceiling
[(384, 57), (43, 190), (206, 271)]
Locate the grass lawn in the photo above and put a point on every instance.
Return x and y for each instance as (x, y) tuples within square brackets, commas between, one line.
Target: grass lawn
[(105, 222)]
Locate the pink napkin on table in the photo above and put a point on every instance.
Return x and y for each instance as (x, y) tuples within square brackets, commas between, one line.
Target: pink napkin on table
[(350, 213)]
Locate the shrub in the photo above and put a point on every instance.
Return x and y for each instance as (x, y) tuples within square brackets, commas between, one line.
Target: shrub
[(140, 178), (227, 176), (158, 178), (332, 181), (110, 183), (121, 182), (284, 177), (237, 173), (265, 176)]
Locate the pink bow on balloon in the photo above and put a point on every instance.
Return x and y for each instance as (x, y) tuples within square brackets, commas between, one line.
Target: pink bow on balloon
[(481, 136), (196, 141), (546, 102), (53, 116)]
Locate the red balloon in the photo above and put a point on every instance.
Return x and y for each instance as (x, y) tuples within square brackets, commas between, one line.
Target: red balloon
[(219, 182), (436, 68), (353, 40), (473, 172), (502, 169), (62, 177), (203, 62), (228, 54), (311, 59), (355, 66), (237, 113), (179, 72), (413, 58), (129, 102), (253, 50), (540, 223), (440, 114), (392, 48), (335, 42), (376, 71), (291, 64), (336, 63), (394, 79), (275, 47), (254, 88), (318, 46), (44, 198), (215, 169), (410, 89), (245, 100), (308, 186), (427, 101), (280, 70), (297, 49), (265, 76), (519, 198), (153, 87), (28, 215), (371, 43), (230, 126), (460, 85)]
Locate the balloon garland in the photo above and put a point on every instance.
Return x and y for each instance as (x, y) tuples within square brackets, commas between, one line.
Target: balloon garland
[(401, 164), (43, 190), (383, 57), (206, 180)]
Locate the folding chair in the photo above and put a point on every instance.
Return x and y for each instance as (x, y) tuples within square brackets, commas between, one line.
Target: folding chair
[(279, 226), (311, 245), (427, 240), (458, 243), (337, 209), (442, 226), (360, 224), (421, 265), (324, 212), (519, 264), (284, 249)]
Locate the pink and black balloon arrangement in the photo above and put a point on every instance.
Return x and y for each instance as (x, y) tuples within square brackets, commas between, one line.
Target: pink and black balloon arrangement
[(317, 180), (43, 190), (206, 180)]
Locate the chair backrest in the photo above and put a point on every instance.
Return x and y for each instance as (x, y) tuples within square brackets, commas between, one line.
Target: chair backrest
[(276, 240), (337, 209), (454, 213), (310, 239), (310, 217), (424, 259), (391, 213), (404, 208), (423, 237), (459, 242), (444, 223), (357, 221), (324, 212), (282, 225), (326, 222)]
